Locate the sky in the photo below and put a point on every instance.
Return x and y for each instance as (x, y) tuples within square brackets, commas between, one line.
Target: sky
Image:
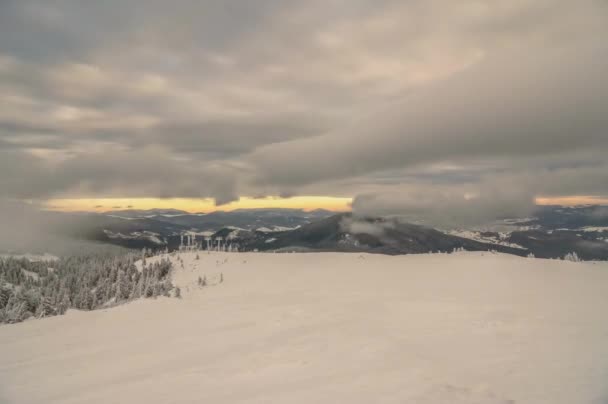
[(197, 205), (483, 108)]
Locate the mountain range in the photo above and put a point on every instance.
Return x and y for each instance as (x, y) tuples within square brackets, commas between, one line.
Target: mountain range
[(552, 232)]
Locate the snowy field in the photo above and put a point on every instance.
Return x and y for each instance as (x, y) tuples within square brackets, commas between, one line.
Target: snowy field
[(472, 328)]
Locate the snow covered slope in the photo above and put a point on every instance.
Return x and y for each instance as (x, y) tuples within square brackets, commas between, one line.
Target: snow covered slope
[(330, 328)]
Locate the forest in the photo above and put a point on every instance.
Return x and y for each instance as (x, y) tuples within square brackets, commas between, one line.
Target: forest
[(47, 288)]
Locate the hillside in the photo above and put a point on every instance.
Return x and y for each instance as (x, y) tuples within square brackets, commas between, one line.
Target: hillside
[(463, 328), (343, 232)]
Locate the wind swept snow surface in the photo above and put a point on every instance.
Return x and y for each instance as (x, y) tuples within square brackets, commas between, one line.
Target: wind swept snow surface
[(474, 328)]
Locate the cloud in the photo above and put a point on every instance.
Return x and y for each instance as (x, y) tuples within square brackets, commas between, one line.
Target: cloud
[(33, 231), (451, 206), (380, 99), (149, 172), (540, 105), (357, 226)]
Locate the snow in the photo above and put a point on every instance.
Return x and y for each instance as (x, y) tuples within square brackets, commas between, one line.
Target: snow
[(235, 228), (275, 229), (155, 239), (136, 235), (285, 228), (519, 220), (30, 274), (32, 257), (235, 234), (330, 328), (198, 233), (594, 228), (122, 217), (476, 236)]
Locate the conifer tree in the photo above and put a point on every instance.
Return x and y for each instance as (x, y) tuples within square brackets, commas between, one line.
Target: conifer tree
[(64, 304), (5, 294), (83, 282)]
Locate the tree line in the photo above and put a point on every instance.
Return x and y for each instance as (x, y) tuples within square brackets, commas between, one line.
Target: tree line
[(47, 288)]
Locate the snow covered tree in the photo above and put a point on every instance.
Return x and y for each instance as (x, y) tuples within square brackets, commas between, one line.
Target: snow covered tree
[(149, 290), (5, 294), (83, 282), (123, 287), (572, 256), (64, 304), (45, 308), (138, 288)]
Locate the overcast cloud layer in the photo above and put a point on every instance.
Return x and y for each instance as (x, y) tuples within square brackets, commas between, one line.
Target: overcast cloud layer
[(410, 106)]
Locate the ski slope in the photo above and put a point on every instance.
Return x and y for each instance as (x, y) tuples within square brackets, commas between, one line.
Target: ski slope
[(465, 328)]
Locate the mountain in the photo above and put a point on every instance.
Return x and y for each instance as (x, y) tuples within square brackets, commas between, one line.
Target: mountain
[(160, 228), (344, 233), (552, 233), (569, 218), (557, 230), (248, 219), (136, 213), (556, 244), (245, 218)]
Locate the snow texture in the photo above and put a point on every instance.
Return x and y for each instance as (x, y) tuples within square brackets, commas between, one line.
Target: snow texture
[(464, 328)]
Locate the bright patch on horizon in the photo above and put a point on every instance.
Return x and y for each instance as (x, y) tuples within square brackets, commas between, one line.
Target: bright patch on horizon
[(572, 200), (198, 205), (337, 204)]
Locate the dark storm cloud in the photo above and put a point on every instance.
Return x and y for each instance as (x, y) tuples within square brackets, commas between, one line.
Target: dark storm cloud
[(373, 98)]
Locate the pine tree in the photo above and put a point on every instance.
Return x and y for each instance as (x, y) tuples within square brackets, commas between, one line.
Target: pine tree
[(94, 302), (138, 288), (45, 308), (19, 312), (149, 290), (122, 286), (83, 282), (64, 304), (5, 294)]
